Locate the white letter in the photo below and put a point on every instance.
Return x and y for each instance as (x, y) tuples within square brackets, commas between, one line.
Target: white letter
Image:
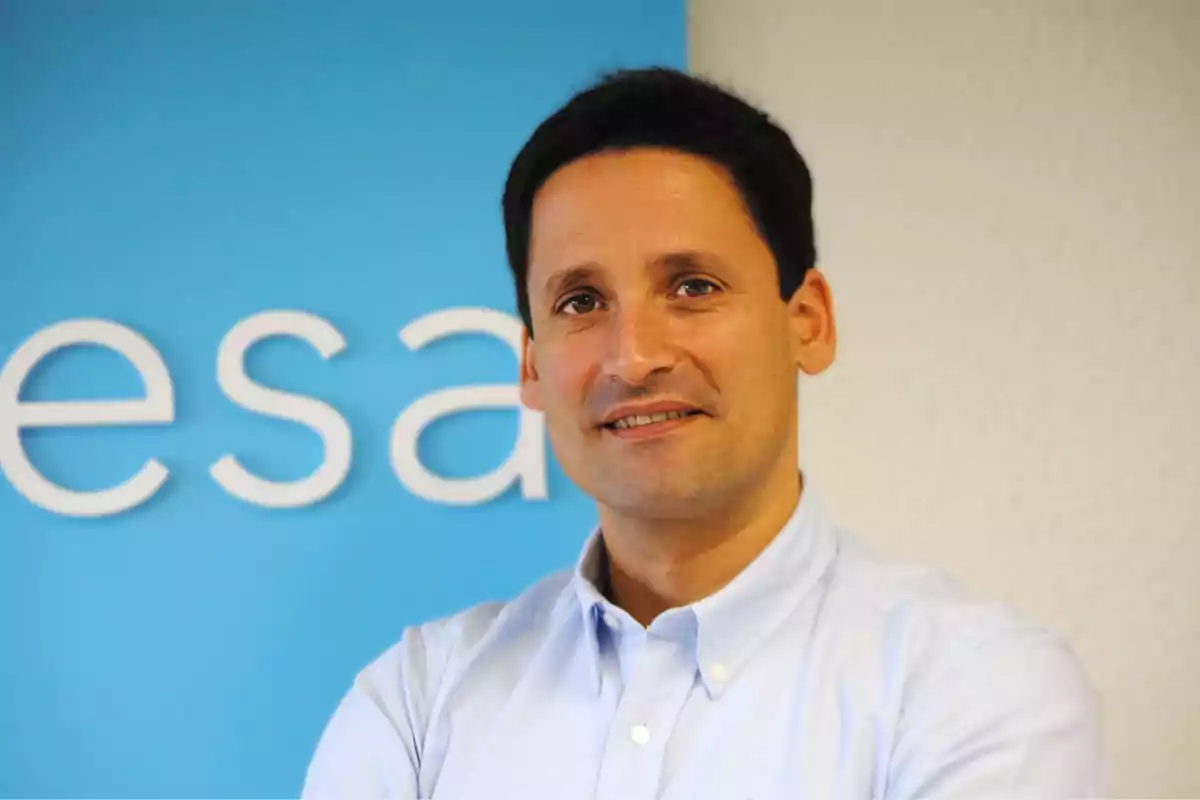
[(527, 461), (322, 418), (158, 407)]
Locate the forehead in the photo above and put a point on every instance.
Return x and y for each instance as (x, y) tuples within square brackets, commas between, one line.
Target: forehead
[(634, 204)]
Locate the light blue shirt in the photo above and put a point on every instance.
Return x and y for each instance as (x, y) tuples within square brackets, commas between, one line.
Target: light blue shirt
[(819, 672)]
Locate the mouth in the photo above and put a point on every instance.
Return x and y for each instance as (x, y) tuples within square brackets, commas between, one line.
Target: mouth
[(645, 425)]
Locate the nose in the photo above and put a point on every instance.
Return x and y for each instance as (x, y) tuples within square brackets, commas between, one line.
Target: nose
[(640, 346)]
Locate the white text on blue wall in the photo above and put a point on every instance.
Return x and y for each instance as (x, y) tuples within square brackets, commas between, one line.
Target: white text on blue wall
[(526, 464)]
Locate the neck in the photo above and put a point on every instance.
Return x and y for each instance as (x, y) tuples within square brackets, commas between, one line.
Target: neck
[(655, 565)]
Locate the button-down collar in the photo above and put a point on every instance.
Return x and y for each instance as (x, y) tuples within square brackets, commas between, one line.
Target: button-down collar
[(730, 624)]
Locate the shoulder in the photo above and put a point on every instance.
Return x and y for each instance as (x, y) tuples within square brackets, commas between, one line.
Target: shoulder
[(416, 668), (970, 677), (922, 607), (374, 743)]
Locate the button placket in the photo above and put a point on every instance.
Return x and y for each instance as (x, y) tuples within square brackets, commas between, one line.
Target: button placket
[(657, 687)]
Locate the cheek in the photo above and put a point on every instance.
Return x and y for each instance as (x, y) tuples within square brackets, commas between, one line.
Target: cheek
[(567, 370), (754, 363)]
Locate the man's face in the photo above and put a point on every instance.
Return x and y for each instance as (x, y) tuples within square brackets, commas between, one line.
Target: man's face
[(654, 299)]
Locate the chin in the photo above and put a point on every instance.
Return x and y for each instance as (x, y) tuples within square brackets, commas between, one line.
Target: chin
[(652, 499)]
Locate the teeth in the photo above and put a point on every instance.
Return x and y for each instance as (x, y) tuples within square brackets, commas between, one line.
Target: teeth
[(644, 419)]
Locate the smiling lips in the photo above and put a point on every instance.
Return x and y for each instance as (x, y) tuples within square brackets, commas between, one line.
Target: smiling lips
[(641, 420), (649, 421)]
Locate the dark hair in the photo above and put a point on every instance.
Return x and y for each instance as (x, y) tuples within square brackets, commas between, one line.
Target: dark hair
[(660, 107)]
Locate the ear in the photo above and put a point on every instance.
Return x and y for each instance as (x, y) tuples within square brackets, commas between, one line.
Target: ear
[(531, 390), (813, 325)]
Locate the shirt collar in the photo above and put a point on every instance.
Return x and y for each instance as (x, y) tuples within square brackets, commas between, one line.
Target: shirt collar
[(735, 620), (589, 576)]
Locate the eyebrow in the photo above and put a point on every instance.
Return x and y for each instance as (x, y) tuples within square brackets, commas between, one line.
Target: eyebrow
[(571, 277), (688, 261)]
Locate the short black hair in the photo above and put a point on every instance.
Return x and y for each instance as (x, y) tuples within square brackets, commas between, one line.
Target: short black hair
[(662, 107)]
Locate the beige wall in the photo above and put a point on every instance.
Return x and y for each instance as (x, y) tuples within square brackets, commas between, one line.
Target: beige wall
[(1008, 207)]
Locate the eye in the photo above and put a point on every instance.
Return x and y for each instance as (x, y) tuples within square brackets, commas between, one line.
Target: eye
[(696, 287), (578, 304)]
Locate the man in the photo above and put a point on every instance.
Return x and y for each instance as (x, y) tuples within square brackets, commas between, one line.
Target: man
[(720, 637)]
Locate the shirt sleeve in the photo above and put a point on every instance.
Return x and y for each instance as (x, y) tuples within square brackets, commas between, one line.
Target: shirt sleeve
[(370, 748), (1013, 717)]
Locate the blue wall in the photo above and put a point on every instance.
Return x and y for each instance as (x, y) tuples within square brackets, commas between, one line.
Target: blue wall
[(177, 167)]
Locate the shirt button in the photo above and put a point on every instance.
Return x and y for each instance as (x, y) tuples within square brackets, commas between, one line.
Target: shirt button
[(720, 673), (640, 734), (610, 619)]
